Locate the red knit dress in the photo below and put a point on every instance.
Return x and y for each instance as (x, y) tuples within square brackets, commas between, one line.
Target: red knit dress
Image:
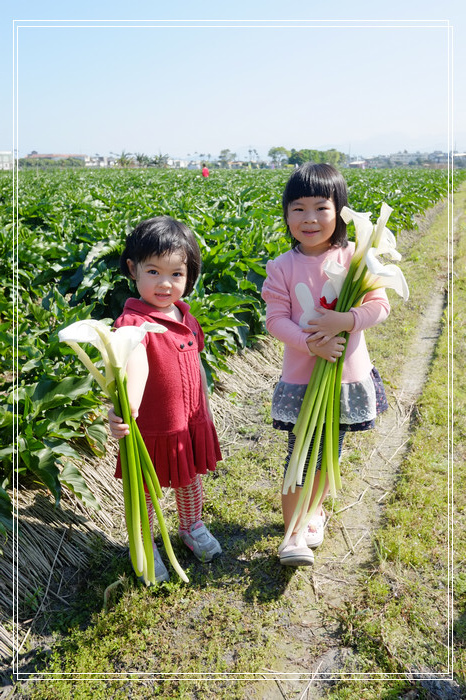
[(173, 418)]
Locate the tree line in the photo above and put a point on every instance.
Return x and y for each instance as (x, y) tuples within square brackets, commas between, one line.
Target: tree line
[(281, 156), (278, 155)]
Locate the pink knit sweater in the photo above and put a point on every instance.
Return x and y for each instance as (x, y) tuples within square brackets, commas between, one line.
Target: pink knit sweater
[(284, 312)]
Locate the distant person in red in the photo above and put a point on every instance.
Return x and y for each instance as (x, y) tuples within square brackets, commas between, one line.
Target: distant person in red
[(205, 170)]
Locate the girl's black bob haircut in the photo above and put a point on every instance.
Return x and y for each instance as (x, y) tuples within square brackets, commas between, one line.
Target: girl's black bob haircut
[(159, 236), (318, 180)]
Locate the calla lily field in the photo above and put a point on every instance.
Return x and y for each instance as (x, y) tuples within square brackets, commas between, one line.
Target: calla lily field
[(61, 234)]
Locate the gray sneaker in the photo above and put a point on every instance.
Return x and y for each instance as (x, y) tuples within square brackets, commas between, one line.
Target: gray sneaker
[(201, 542), (161, 573)]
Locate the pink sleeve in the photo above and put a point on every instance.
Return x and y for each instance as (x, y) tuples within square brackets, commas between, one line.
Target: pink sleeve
[(278, 313), (373, 310)]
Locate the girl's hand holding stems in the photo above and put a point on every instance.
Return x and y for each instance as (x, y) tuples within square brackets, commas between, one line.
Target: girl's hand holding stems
[(329, 324), (137, 371), (331, 350), (324, 339)]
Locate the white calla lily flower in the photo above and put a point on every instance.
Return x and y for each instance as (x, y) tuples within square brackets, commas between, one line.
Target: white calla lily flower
[(83, 332), (379, 230), (383, 239), (364, 228), (336, 274), (387, 246), (114, 346), (121, 342), (387, 275), (378, 237)]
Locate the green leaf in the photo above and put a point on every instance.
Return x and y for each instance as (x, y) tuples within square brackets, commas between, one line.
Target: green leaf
[(4, 453), (71, 477), (97, 436), (6, 417), (222, 301), (43, 464), (61, 447), (6, 513), (47, 393)]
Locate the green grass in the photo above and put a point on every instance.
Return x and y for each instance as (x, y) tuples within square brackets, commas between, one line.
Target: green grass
[(229, 618)]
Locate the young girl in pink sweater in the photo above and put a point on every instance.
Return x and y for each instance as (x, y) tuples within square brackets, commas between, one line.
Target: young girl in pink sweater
[(312, 202)]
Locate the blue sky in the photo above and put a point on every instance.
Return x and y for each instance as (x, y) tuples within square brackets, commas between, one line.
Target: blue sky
[(199, 89)]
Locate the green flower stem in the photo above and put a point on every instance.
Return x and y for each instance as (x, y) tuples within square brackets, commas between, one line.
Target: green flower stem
[(146, 460), (132, 478), (311, 393), (148, 569), (303, 506), (126, 487), (327, 452), (320, 401), (158, 511), (342, 303), (305, 427), (336, 414), (89, 365), (308, 507)]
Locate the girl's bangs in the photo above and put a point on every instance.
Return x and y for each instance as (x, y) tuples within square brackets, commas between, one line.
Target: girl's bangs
[(309, 185)]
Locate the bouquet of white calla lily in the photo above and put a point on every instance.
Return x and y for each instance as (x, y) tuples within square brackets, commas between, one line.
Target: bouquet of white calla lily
[(115, 347)]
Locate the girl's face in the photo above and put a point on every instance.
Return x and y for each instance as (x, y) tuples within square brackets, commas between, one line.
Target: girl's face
[(312, 221), (160, 279)]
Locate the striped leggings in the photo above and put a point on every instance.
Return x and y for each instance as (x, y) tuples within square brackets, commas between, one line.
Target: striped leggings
[(188, 503), (291, 442)]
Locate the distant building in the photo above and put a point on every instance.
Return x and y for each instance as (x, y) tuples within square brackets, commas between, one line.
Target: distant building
[(177, 163), (438, 157), (6, 160), (97, 162), (405, 158), (378, 162), (361, 164), (57, 156)]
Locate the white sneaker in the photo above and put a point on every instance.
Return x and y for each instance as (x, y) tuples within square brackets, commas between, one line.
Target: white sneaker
[(315, 530), (295, 555)]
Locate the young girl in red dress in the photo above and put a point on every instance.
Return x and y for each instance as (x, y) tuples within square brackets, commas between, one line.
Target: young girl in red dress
[(167, 387)]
